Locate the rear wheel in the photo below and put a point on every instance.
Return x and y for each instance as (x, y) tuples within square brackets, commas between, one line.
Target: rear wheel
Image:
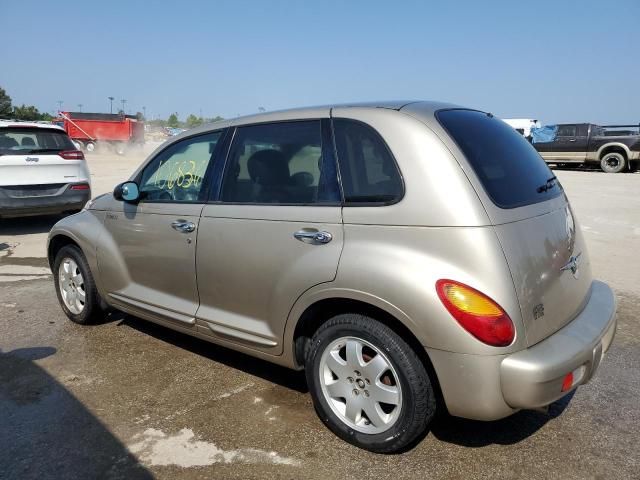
[(368, 385), (75, 286), (121, 148), (613, 162), (90, 146), (79, 145)]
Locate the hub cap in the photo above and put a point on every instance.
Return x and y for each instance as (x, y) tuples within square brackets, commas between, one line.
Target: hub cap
[(71, 285), (360, 385)]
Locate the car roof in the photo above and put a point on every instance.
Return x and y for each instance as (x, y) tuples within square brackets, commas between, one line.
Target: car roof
[(23, 124), (425, 110)]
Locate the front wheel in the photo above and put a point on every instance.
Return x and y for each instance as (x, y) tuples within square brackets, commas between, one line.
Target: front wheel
[(368, 385), (75, 287), (613, 162)]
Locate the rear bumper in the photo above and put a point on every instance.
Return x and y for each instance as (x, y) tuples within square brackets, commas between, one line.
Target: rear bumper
[(62, 201), (493, 387)]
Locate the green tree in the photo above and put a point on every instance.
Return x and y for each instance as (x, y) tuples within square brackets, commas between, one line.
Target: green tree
[(5, 104), (173, 121), (26, 112), (193, 121), (214, 119)]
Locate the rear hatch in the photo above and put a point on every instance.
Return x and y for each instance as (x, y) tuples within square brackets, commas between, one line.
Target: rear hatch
[(532, 218), (32, 156)]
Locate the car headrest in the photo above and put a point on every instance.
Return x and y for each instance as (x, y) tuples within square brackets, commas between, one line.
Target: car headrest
[(268, 167), (28, 141)]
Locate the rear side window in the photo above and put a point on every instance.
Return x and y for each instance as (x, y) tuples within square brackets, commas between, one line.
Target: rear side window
[(279, 163), (23, 140), (368, 171), (509, 168)]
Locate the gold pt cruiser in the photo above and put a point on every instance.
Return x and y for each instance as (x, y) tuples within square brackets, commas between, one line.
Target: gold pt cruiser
[(408, 255)]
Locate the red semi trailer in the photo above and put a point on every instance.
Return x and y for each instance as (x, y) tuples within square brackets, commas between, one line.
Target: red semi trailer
[(90, 129)]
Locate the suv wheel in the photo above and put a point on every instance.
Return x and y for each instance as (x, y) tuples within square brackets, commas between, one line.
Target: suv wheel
[(368, 385), (75, 287), (613, 162)]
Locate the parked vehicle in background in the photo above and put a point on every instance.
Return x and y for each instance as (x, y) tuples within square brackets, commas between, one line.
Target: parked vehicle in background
[(301, 237), (577, 143), (89, 130), (41, 171), (522, 125)]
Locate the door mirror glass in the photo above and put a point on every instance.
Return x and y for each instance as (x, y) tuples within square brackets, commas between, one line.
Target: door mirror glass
[(127, 191)]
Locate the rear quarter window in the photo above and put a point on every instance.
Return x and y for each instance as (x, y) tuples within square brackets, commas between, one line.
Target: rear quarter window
[(511, 171)]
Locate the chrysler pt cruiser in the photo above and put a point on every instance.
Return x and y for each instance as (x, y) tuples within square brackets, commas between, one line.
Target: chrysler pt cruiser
[(409, 256)]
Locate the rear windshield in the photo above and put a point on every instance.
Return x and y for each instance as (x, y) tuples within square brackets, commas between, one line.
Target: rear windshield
[(510, 169), (23, 140)]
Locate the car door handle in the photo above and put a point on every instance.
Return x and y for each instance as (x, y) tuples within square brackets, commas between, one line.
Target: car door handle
[(572, 139), (183, 226), (313, 237)]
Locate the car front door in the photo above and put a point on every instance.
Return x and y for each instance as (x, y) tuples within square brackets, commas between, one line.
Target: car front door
[(273, 231), (567, 145), (150, 268)]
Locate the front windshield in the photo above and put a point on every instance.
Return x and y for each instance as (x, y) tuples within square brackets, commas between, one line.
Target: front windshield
[(22, 140)]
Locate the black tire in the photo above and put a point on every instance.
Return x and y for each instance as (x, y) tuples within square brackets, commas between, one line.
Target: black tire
[(91, 311), (418, 404), (613, 162), (120, 148)]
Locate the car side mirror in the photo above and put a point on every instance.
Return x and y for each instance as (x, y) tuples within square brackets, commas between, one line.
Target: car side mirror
[(127, 192)]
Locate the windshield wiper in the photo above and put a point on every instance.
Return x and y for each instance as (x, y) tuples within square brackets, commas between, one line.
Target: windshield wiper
[(548, 185), (44, 150)]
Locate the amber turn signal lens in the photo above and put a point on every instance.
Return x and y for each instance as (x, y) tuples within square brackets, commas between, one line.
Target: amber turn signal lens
[(476, 313)]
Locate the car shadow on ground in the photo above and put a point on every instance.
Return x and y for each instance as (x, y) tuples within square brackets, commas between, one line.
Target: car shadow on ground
[(285, 377), (47, 432), (508, 431), (27, 225), (446, 428)]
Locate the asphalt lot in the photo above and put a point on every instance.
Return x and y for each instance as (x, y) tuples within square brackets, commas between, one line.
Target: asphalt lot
[(128, 399)]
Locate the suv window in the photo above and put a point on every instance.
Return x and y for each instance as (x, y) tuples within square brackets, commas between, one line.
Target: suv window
[(176, 174), (23, 140), (368, 171), (280, 163), (509, 168), (566, 131)]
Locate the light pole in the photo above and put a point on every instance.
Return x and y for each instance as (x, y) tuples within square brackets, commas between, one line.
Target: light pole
[(60, 102), (110, 104), (144, 112), (80, 107), (123, 110)]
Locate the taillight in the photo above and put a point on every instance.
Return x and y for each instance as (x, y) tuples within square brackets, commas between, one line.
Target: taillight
[(476, 313), (80, 186), (72, 155)]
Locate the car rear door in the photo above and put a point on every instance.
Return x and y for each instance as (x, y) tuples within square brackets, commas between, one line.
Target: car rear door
[(274, 231), (150, 268)]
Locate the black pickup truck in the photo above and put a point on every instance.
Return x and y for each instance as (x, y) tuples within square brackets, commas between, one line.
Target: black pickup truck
[(577, 143)]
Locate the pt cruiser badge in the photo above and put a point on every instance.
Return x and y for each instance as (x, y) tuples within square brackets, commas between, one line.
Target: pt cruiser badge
[(573, 264)]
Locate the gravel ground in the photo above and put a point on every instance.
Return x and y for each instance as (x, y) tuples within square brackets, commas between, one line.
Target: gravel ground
[(128, 399)]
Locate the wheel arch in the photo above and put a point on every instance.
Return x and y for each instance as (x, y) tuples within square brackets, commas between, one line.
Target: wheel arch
[(56, 243), (317, 313), (613, 147)]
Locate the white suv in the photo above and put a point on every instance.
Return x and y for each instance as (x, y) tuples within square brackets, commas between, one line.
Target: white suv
[(41, 171)]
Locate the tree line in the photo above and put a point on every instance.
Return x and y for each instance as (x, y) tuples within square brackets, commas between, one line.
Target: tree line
[(31, 113), (22, 112), (190, 122)]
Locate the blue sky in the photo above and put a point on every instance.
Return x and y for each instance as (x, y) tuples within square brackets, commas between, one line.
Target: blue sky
[(552, 60)]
